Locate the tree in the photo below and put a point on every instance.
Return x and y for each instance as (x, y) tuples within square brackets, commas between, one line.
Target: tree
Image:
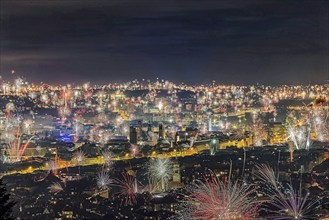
[(6, 204)]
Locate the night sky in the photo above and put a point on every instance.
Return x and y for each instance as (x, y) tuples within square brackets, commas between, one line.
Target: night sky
[(195, 41)]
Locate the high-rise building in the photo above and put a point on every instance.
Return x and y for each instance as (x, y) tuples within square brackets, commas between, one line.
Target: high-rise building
[(133, 135), (162, 131), (137, 127), (176, 173)]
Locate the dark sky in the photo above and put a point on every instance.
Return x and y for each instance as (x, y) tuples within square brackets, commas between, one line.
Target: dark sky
[(195, 41)]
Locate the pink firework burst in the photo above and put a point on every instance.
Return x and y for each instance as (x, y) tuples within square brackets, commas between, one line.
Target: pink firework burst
[(215, 199), (134, 150), (55, 188)]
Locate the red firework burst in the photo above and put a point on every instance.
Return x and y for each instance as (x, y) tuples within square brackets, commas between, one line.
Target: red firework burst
[(128, 188), (216, 199)]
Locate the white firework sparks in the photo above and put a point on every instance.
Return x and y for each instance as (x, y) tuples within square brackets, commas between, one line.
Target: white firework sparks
[(160, 169), (300, 136), (320, 123), (257, 130), (107, 158), (103, 180), (79, 157)]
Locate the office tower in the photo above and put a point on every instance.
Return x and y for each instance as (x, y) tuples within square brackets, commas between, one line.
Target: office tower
[(133, 135)]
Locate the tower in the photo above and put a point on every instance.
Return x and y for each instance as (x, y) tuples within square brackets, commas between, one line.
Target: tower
[(162, 131), (132, 135), (176, 173), (139, 129)]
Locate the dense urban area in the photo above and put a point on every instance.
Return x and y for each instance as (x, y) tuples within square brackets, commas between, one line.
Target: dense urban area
[(159, 150)]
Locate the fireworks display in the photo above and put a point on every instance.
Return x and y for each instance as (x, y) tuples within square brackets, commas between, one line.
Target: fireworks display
[(300, 137), (212, 198), (257, 129), (53, 167), (92, 128), (160, 170), (288, 203), (103, 180), (79, 157), (107, 158), (117, 127), (129, 187), (13, 130), (55, 188), (134, 150), (320, 123)]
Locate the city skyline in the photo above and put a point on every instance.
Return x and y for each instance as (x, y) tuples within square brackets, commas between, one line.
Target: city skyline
[(164, 109), (241, 42), (164, 151)]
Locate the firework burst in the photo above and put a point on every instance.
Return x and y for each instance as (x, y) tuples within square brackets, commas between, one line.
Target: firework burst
[(108, 158), (53, 167), (128, 188), (287, 202), (79, 157), (299, 130), (257, 130), (294, 205), (134, 150), (300, 136), (212, 198), (160, 170), (12, 136), (103, 180), (320, 123), (64, 112), (55, 188)]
